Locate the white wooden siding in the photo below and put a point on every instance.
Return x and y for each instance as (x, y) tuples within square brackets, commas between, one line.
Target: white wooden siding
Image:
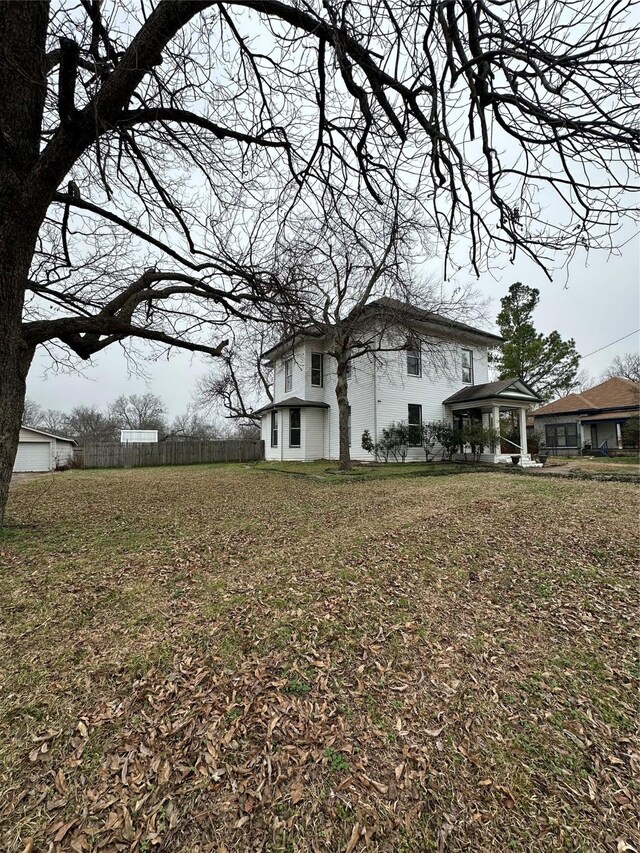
[(313, 433), (298, 375), (378, 395), (62, 452)]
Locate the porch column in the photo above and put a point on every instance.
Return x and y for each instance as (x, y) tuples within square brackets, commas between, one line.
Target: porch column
[(522, 418), (496, 418)]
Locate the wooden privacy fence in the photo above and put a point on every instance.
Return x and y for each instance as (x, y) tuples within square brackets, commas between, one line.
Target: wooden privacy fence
[(168, 453)]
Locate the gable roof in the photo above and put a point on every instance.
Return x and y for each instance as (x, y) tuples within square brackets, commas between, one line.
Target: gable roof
[(616, 393), (387, 305), (508, 389), (48, 434)]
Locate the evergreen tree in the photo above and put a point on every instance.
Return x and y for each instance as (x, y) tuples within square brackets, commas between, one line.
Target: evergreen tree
[(545, 362)]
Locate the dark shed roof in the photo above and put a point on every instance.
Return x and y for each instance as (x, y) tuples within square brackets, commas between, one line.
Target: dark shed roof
[(512, 388), (292, 403)]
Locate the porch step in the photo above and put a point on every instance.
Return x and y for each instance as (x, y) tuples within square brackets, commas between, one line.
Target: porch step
[(525, 462)]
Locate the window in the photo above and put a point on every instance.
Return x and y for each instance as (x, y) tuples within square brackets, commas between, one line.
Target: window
[(414, 368), (415, 425), (348, 370), (467, 366), (274, 429), (561, 435), (288, 374), (294, 427), (349, 425), (317, 369)]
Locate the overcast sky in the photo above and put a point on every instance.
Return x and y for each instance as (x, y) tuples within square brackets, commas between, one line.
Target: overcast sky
[(595, 303)]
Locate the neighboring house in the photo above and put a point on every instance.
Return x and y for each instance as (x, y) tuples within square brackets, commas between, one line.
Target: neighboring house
[(592, 420), (442, 377), (42, 451)]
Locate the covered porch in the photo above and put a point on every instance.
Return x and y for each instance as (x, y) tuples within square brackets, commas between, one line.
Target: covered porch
[(484, 404)]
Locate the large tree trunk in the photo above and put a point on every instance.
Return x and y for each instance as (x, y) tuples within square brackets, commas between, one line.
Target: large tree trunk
[(342, 395), (15, 359), (23, 28)]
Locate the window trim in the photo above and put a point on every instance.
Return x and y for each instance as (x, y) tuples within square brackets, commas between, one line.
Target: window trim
[(465, 367), (419, 424), (319, 355), (288, 374), (297, 429), (274, 428), (414, 352)]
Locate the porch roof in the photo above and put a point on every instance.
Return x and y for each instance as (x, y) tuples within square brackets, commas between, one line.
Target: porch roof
[(513, 390), (291, 403), (614, 415)]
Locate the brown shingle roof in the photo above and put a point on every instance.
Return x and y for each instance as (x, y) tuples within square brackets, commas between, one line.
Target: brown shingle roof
[(613, 394)]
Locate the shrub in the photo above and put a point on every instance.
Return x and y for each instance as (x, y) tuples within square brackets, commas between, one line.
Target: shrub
[(631, 432), (478, 437), (367, 442), (428, 438), (395, 440), (533, 443), (447, 436)]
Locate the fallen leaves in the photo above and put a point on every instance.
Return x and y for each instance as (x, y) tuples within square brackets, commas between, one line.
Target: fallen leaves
[(260, 663)]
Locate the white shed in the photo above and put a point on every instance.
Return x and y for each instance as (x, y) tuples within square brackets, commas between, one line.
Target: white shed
[(138, 436), (42, 451)]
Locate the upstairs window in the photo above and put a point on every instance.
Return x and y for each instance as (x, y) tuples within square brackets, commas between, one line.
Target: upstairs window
[(274, 429), (294, 428), (288, 374), (467, 366), (414, 419), (317, 369), (414, 366), (349, 370)]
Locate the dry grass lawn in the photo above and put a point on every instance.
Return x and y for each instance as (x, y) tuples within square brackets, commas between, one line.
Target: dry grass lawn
[(225, 658)]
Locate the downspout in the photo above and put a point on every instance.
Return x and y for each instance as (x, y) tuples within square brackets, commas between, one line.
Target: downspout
[(282, 435), (375, 402)]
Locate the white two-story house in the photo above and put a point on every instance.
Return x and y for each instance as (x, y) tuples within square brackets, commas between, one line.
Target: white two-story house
[(442, 373)]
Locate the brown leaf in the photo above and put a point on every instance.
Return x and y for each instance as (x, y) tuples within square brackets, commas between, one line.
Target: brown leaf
[(353, 840), (297, 792), (60, 834), (60, 781)]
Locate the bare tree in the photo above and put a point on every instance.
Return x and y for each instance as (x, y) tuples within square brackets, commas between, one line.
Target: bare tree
[(242, 378), (191, 425), (32, 415), (139, 411), (582, 383), (54, 421), (148, 153), (88, 423), (626, 366), (358, 292)]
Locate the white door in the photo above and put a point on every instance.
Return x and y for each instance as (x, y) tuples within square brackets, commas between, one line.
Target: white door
[(33, 456)]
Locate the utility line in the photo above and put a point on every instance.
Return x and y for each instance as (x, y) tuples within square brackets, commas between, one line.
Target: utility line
[(606, 346)]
